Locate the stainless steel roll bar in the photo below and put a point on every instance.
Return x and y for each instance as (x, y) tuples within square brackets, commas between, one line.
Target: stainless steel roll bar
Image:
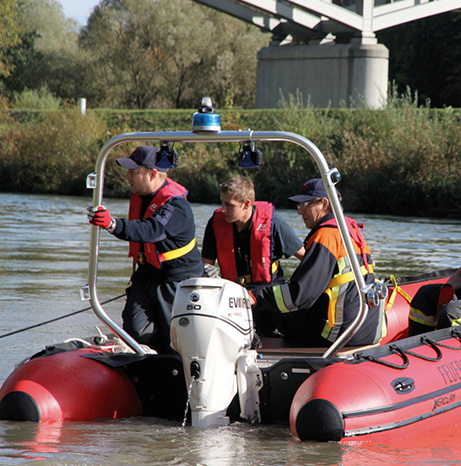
[(329, 176)]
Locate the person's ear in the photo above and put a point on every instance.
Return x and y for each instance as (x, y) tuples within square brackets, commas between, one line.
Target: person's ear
[(247, 204)]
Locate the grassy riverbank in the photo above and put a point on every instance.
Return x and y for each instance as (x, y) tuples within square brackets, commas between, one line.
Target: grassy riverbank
[(403, 160)]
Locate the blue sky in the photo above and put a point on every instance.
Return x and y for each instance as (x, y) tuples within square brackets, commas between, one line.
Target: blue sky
[(78, 9)]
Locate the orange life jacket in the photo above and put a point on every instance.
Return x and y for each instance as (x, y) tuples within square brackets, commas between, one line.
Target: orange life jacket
[(355, 230), (338, 284)]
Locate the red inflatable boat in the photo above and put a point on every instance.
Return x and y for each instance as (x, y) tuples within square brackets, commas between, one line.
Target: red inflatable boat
[(404, 386), (407, 387), (361, 393), (67, 385)]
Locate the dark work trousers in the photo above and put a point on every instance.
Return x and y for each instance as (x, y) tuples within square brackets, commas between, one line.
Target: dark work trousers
[(304, 327), (425, 300), (147, 313), (299, 328)]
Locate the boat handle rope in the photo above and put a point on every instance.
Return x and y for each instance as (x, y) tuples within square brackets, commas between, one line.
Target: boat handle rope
[(455, 333), (432, 344), (404, 352), (395, 349), (399, 290)]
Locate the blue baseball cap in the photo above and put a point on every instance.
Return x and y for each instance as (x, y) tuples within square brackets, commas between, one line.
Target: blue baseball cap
[(142, 156), (311, 189)]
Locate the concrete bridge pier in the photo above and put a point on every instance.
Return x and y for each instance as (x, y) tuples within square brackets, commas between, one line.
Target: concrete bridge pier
[(327, 70), (329, 74)]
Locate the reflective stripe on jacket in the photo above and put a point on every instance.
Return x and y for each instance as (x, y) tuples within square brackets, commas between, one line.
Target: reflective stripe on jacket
[(421, 318)]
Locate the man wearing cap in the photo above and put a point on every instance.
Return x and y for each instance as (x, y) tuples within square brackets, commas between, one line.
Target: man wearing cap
[(321, 299), (161, 231)]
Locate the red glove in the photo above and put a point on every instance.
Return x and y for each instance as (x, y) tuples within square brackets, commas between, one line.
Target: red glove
[(101, 218), (447, 294)]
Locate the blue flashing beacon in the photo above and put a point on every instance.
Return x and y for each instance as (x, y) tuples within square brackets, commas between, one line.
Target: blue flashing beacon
[(206, 119)]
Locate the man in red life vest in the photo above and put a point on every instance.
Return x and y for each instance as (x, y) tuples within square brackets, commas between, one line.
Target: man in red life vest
[(161, 231), (321, 299), (436, 306), (248, 238)]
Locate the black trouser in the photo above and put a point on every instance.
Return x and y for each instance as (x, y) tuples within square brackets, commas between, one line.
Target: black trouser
[(147, 313), (299, 328), (304, 327), (425, 301)]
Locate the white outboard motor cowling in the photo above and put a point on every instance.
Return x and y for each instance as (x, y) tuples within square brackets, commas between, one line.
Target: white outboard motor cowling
[(212, 329)]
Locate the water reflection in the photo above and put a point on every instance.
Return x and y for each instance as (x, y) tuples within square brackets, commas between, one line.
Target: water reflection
[(412, 245), (153, 442), (46, 439), (440, 446), (30, 440), (150, 441)]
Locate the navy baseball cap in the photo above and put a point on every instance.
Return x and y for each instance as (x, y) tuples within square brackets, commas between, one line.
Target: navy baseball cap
[(312, 189), (142, 156)]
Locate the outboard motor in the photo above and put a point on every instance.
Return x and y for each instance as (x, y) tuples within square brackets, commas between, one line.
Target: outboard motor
[(212, 330)]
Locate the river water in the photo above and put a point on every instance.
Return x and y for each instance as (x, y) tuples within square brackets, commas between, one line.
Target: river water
[(44, 254)]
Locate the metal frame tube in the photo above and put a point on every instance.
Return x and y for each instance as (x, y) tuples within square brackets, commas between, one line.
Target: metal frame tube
[(212, 137)]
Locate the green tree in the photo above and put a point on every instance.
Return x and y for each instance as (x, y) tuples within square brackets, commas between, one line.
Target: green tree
[(123, 42), (10, 31), (208, 52), (46, 53), (168, 53), (24, 58), (59, 63)]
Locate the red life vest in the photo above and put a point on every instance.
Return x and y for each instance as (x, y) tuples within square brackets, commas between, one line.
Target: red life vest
[(169, 191), (260, 244)]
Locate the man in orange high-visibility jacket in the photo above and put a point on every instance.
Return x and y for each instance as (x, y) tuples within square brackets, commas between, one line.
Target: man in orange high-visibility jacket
[(321, 299)]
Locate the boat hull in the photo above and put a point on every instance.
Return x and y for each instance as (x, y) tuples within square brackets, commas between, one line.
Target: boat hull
[(67, 385), (71, 381), (384, 392)]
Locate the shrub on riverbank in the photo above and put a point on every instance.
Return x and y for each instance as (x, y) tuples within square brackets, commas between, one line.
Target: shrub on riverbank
[(51, 152), (403, 160)]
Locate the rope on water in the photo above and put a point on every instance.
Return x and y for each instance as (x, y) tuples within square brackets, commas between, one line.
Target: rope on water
[(58, 318)]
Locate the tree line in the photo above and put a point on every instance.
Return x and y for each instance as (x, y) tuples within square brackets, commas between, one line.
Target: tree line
[(402, 160), (142, 54), (141, 62), (131, 54)]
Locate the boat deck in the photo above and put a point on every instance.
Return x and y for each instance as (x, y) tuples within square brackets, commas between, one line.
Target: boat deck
[(277, 348)]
